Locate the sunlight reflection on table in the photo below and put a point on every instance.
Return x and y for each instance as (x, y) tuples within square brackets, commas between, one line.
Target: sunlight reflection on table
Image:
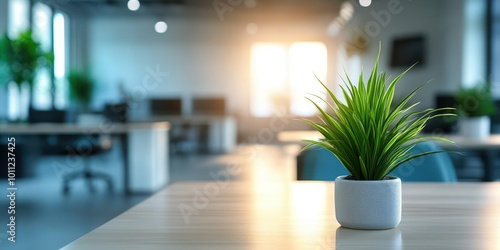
[(385, 239)]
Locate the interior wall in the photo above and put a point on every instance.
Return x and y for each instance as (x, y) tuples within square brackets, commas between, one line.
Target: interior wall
[(440, 22), (197, 56), (190, 59), (203, 55)]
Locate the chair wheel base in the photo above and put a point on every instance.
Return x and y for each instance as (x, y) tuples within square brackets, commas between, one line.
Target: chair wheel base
[(89, 177)]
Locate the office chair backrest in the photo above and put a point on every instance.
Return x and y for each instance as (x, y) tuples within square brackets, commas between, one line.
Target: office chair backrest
[(319, 164), (433, 168), (46, 116)]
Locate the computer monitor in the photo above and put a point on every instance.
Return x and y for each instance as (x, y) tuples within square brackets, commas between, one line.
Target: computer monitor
[(116, 112), (209, 106), (444, 100), (171, 106), (447, 124)]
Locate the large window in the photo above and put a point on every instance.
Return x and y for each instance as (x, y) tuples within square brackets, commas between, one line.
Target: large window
[(42, 32), (49, 30), (60, 24), (283, 75), (494, 53), (18, 21), (18, 17)]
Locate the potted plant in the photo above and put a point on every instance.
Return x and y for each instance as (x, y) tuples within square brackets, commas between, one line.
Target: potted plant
[(371, 139), (21, 57), (475, 105), (81, 87)]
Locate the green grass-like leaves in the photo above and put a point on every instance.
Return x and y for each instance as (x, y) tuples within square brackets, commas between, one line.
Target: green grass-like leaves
[(370, 138)]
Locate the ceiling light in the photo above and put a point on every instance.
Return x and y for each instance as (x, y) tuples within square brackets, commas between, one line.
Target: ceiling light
[(365, 3), (133, 5), (161, 27)]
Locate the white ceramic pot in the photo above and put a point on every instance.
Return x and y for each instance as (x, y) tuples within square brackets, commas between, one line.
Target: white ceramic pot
[(368, 204), (475, 127)]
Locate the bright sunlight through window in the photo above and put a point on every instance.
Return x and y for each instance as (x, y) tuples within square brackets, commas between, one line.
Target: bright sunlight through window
[(268, 76), (283, 75), (306, 60), (18, 17), (42, 31), (59, 59)]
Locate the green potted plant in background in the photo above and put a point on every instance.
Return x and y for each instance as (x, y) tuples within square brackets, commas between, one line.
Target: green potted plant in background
[(81, 89), (475, 105), (21, 58), (371, 139)]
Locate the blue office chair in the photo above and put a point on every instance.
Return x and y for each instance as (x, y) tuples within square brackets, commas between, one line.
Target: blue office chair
[(433, 168), (318, 163)]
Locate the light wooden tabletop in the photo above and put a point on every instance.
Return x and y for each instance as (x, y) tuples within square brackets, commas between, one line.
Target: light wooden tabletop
[(298, 215)]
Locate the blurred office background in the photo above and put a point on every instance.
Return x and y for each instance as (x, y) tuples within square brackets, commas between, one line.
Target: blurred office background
[(228, 75)]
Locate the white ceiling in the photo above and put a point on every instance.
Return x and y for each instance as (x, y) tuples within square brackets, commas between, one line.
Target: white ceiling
[(157, 7)]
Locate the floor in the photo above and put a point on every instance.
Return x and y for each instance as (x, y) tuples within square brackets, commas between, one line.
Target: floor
[(47, 219)]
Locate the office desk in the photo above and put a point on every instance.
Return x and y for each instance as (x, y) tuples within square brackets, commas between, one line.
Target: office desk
[(299, 215), (486, 148), (222, 130), (143, 146)]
